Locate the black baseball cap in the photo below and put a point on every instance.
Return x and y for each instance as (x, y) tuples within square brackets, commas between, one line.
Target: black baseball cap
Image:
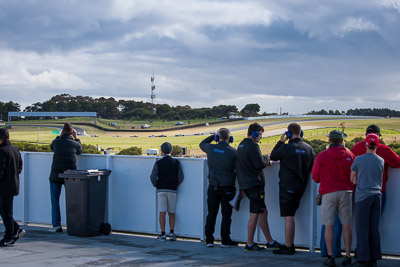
[(373, 129), (4, 134)]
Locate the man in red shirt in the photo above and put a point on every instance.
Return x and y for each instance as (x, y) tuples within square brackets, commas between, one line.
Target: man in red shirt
[(389, 156), (332, 170)]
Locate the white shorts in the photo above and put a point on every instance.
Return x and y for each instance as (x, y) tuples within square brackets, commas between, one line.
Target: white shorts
[(166, 201)]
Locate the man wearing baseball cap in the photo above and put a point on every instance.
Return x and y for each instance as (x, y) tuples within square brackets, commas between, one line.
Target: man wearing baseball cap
[(332, 170), (366, 173), (389, 156)]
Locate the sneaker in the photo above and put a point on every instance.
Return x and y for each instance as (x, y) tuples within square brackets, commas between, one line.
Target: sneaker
[(7, 243), (346, 261), (330, 262), (210, 244), (172, 237), (20, 233), (57, 229), (229, 244), (162, 237), (253, 248), (285, 250), (274, 246)]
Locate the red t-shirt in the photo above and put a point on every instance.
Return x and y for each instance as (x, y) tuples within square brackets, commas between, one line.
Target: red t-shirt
[(332, 169), (391, 159)]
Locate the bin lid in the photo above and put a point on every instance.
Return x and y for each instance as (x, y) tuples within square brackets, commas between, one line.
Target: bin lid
[(84, 174)]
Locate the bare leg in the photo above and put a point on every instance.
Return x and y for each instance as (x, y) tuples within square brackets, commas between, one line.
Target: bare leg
[(329, 239), (289, 231), (263, 221), (347, 237), (162, 221), (251, 228), (171, 217)]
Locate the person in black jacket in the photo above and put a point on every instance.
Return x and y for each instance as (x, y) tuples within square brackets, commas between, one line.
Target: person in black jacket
[(10, 168), (65, 148), (166, 176), (221, 186), (296, 161), (249, 167)]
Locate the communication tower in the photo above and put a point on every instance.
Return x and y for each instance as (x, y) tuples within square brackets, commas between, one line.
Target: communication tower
[(153, 96)]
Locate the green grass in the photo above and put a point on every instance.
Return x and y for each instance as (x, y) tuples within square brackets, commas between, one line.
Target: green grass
[(390, 129)]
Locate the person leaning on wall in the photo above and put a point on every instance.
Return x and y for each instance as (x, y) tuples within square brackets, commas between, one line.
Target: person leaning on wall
[(221, 158), (10, 168), (66, 147)]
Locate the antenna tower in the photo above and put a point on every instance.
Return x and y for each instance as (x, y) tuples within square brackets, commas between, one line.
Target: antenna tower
[(153, 96)]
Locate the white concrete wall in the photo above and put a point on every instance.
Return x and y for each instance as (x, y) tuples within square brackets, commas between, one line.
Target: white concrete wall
[(132, 200)]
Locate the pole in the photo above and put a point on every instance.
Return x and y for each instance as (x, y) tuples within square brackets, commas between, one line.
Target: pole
[(38, 135)]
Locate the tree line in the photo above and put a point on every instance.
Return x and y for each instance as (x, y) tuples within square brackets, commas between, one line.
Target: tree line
[(110, 108)]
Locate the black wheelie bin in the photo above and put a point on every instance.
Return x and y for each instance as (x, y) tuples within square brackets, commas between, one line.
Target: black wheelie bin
[(86, 196)]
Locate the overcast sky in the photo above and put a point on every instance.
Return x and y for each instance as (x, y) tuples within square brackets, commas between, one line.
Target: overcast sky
[(295, 54)]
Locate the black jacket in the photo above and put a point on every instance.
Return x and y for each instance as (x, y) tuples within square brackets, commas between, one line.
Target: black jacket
[(10, 168), (65, 149), (296, 161), (250, 164), (221, 162), (167, 174)]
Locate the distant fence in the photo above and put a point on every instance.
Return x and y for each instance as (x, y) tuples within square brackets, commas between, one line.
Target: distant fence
[(132, 200)]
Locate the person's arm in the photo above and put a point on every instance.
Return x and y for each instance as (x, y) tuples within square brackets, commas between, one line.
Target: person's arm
[(277, 152), (206, 143), (20, 163), (353, 177), (154, 175), (180, 173), (257, 160), (390, 157), (80, 150), (316, 169), (3, 166)]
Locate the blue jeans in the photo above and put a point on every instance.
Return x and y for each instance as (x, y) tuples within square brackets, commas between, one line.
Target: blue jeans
[(337, 232), (55, 192), (383, 205)]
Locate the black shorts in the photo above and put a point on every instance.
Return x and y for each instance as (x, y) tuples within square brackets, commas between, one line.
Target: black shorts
[(256, 195), (289, 201)]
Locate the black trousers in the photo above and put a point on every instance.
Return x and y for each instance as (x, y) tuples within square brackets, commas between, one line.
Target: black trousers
[(221, 196), (6, 211), (368, 215)]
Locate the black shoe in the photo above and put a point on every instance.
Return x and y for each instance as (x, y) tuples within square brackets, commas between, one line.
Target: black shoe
[(7, 243), (20, 233), (330, 261), (285, 250), (274, 246), (253, 248), (346, 261), (229, 244)]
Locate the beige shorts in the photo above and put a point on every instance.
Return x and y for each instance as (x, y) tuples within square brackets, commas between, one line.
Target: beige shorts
[(340, 201), (166, 201)]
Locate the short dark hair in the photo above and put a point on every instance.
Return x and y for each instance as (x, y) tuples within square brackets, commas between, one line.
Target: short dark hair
[(373, 129), (166, 147), (254, 127), (67, 129), (224, 134), (4, 135), (294, 128), (336, 141)]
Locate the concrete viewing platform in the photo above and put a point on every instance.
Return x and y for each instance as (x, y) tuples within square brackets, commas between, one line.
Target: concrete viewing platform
[(39, 247)]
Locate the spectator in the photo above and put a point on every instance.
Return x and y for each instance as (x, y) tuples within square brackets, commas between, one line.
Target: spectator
[(366, 172), (296, 160), (65, 148), (221, 186), (389, 156), (249, 167), (166, 176), (10, 168), (332, 170)]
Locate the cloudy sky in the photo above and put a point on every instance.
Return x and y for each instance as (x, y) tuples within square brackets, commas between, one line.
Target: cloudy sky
[(297, 55)]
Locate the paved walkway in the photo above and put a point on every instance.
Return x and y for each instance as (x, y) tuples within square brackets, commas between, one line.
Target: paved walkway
[(40, 248)]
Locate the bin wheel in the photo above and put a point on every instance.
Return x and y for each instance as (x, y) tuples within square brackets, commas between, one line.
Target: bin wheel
[(105, 228)]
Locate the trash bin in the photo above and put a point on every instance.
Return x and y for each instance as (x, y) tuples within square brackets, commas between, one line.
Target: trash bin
[(86, 193)]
